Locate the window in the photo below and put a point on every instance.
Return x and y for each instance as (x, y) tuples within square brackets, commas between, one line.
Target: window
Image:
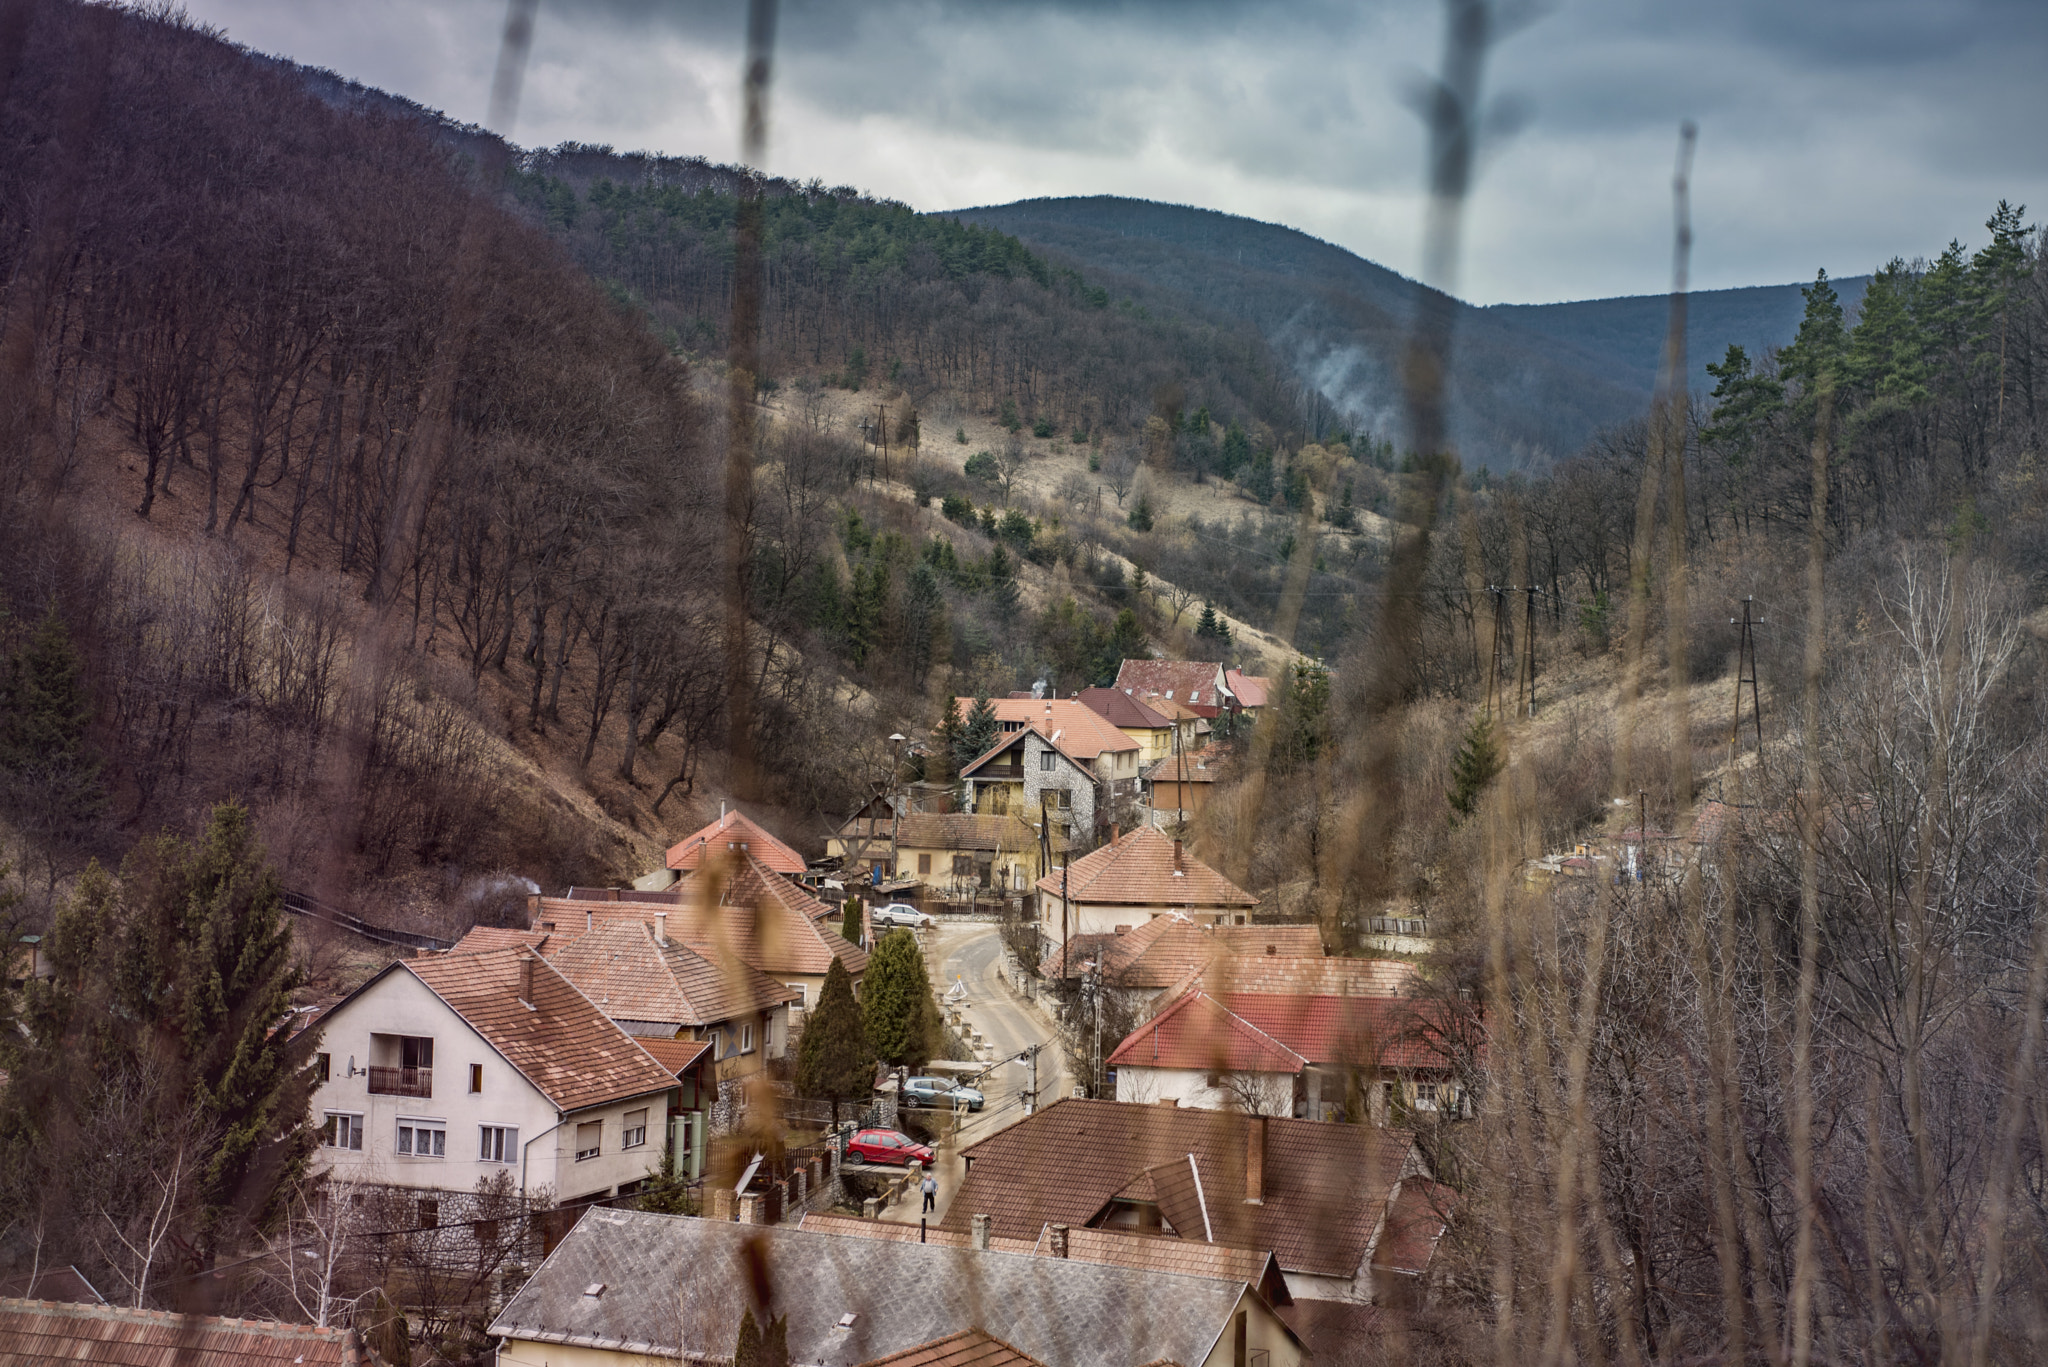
[(423, 1138), (500, 1144), (588, 1139), (717, 1038), (323, 1067), (429, 1214), (1425, 1096), (342, 1131), (963, 866), (924, 863), (803, 995), (636, 1130), (476, 1078), (746, 1039), (1061, 799), (1045, 760)]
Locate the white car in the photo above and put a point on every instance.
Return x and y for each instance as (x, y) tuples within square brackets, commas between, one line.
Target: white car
[(902, 914)]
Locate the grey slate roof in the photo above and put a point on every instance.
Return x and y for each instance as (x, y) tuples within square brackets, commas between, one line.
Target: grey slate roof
[(675, 1286)]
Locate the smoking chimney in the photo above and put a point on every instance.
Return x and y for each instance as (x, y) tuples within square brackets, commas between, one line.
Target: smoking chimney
[(1255, 1162), (1059, 1241)]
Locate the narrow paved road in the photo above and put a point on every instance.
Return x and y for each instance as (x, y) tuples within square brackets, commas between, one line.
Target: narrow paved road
[(973, 954)]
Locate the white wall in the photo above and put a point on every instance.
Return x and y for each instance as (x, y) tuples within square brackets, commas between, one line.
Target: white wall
[(400, 1004), (1143, 1086)]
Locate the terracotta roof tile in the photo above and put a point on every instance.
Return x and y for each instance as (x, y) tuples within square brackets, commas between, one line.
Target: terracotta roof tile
[(620, 966), (1197, 766), (969, 831), (1168, 952), (1251, 690), (1247, 1032), (1083, 732), (1323, 1191), (1305, 975), (563, 1043), (1139, 870), (1124, 710), (678, 1056), (1191, 682), (39, 1332), (1416, 1222), (1341, 1333), (1052, 736), (729, 831), (968, 1348)]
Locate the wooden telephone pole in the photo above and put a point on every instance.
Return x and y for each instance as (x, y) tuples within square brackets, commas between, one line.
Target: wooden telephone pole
[(1745, 673)]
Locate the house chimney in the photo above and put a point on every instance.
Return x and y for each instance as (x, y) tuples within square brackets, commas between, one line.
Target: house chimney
[(1177, 855), (1115, 833), (526, 980), (1255, 1162), (982, 1232), (661, 927), (1059, 1241), (532, 910), (589, 920)]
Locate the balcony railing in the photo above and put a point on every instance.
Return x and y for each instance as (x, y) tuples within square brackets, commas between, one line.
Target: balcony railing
[(401, 1081), (1397, 925)]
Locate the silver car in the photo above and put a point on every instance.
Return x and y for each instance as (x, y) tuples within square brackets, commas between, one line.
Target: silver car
[(902, 914), (939, 1091)]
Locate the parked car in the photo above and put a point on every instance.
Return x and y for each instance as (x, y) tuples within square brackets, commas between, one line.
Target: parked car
[(902, 914), (887, 1146), (939, 1091)]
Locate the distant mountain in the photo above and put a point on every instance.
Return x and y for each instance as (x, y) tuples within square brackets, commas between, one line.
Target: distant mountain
[(1528, 381)]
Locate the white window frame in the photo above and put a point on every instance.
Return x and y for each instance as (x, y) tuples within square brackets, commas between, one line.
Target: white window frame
[(497, 1143), (746, 1037), (331, 1136), (585, 1155), (1046, 762), (803, 996), (405, 1140), (635, 1135)]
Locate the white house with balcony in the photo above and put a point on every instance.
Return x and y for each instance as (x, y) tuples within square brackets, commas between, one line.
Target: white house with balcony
[(452, 1067)]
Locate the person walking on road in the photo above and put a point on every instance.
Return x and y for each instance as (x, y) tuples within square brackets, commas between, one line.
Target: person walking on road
[(930, 1188)]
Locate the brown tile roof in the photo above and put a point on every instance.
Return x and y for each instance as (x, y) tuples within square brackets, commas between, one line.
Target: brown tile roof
[(1140, 870), (968, 1348), (1341, 1333), (1197, 766), (1304, 975), (1323, 1190), (970, 831), (1083, 732), (761, 917), (631, 976), (1167, 952), (734, 830), (498, 937), (39, 1332), (677, 1055), (1415, 1224), (564, 1044), (1010, 740), (1123, 710), (1193, 682), (1261, 1033), (1251, 690)]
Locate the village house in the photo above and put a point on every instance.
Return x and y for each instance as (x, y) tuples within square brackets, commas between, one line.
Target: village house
[(1132, 880), (1293, 1054), (1317, 1196), (866, 841), (1155, 729), (769, 923), (1029, 771), (449, 1068), (959, 854), (34, 1333), (626, 1287), (1167, 955), (1252, 691), (1177, 788), (1195, 684), (734, 834)]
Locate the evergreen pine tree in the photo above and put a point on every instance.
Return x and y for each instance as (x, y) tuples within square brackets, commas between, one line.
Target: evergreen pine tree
[(1206, 628), (896, 1002), (977, 733), (49, 770), (1141, 514), (833, 1059), (944, 764), (849, 921), (1475, 765)]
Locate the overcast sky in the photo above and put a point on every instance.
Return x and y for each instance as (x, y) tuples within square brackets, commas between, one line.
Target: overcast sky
[(1833, 133)]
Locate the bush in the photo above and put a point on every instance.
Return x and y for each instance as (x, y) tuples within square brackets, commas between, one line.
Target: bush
[(960, 435), (1009, 419), (1141, 514), (958, 508), (1042, 428), (982, 466), (1078, 437)]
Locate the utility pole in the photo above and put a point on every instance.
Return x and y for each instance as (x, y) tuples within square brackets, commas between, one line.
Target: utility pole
[(1529, 655), (1095, 1071), (1494, 705), (1745, 673), (882, 426)]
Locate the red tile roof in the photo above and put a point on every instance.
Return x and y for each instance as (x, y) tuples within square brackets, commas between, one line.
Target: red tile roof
[(1193, 682), (1010, 740), (1145, 868), (1258, 1033), (1303, 975), (677, 1055), (1323, 1187), (1415, 1224), (631, 976), (968, 1348), (1197, 766), (1165, 951), (1251, 690), (1123, 710), (564, 1045), (735, 831), (1083, 733), (762, 918), (39, 1332)]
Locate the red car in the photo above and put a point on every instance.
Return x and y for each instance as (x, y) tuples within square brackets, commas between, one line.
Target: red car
[(887, 1146)]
